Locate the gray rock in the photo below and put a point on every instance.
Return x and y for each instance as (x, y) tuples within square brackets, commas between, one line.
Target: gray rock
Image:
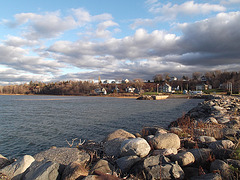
[(209, 176), (184, 158), (113, 147), (155, 160), (63, 156), (165, 141), (44, 170), (206, 139), (125, 163), (102, 166), (137, 146), (165, 171), (222, 167), (15, 170), (221, 144), (74, 171)]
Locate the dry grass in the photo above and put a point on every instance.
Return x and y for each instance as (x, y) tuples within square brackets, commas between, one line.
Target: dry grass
[(194, 129)]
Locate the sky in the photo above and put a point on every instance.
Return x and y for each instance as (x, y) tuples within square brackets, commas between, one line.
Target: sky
[(52, 41)]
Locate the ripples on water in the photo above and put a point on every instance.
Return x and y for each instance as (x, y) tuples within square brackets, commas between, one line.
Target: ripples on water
[(29, 124)]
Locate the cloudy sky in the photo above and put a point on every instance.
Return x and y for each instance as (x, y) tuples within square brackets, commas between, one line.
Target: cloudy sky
[(82, 39)]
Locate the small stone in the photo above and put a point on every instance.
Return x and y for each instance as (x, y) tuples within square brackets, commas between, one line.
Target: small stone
[(184, 158), (206, 139), (137, 146), (165, 141)]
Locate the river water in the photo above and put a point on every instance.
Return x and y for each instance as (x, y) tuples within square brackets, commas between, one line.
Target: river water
[(30, 124)]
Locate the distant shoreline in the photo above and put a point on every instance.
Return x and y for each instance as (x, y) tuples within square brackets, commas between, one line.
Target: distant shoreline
[(171, 96)]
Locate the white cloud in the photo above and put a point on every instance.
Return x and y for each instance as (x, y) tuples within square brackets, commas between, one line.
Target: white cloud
[(187, 8), (19, 42), (229, 2)]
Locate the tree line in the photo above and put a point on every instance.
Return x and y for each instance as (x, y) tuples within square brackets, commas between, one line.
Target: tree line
[(217, 79)]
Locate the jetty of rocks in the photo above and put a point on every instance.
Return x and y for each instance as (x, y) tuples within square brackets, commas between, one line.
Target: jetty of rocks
[(202, 144)]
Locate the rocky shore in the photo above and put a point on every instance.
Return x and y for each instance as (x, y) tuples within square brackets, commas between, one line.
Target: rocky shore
[(202, 144)]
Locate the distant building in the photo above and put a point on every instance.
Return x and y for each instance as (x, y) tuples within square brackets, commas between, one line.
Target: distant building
[(203, 87), (125, 81), (101, 91), (173, 78), (166, 88), (130, 89)]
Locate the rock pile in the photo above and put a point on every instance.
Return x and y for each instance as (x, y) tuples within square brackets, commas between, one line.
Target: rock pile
[(184, 151)]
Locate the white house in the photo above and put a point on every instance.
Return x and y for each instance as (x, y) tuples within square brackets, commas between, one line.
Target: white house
[(130, 89), (173, 78), (166, 88), (101, 91)]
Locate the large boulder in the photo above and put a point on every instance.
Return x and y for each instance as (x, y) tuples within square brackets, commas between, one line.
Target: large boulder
[(63, 156), (74, 171), (113, 141), (136, 146), (15, 170), (184, 158), (44, 170), (165, 141), (119, 134)]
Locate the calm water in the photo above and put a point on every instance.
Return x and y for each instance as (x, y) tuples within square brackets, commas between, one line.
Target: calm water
[(30, 124)]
